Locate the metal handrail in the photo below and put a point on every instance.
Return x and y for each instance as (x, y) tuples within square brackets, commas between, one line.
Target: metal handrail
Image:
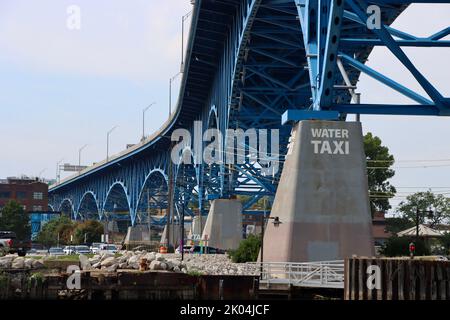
[(326, 274)]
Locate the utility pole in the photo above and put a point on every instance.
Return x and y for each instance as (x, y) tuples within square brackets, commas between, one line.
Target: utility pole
[(170, 202), (418, 213), (182, 216), (148, 216)]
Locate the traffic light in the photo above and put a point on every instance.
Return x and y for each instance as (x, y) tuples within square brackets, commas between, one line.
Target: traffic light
[(412, 249)]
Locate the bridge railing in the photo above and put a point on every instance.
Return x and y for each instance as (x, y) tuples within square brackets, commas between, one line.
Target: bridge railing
[(323, 274)]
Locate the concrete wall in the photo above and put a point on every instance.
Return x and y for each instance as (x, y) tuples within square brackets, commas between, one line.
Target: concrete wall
[(223, 227), (322, 199)]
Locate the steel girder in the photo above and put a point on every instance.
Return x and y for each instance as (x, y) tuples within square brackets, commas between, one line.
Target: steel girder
[(338, 42)]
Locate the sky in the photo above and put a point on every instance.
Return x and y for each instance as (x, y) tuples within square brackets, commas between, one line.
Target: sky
[(61, 89)]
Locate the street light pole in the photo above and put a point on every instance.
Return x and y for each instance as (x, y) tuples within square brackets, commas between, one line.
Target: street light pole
[(143, 120), (170, 92), (107, 142), (40, 173), (79, 156), (183, 19), (58, 171)]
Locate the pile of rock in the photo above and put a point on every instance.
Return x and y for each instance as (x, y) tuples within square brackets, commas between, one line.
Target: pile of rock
[(141, 260), (129, 260), (15, 262), (218, 264)]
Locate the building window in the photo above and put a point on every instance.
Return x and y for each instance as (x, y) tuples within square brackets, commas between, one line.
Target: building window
[(21, 195), (5, 195), (37, 208), (38, 196)]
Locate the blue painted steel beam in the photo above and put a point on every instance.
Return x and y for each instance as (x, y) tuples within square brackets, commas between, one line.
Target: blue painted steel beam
[(383, 79), (380, 109), (390, 43), (292, 116), (401, 43)]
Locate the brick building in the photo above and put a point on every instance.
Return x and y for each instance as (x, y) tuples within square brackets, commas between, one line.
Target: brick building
[(380, 234), (32, 194)]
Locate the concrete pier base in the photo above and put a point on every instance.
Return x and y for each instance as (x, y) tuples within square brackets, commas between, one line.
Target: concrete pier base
[(174, 235), (223, 227), (322, 199), (198, 224), (137, 235)]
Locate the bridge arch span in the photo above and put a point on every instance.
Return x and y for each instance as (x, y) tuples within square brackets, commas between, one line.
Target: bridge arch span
[(67, 204), (88, 207), (153, 195), (117, 204)]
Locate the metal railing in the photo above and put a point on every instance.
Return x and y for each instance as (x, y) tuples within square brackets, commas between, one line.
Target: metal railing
[(322, 274)]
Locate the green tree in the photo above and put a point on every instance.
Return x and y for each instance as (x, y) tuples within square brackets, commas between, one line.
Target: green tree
[(13, 218), (91, 228), (445, 242), (397, 224), (424, 201), (247, 251), (379, 163), (61, 228)]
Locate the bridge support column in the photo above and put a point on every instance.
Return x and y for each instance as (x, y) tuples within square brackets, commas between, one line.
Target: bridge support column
[(322, 199), (223, 228)]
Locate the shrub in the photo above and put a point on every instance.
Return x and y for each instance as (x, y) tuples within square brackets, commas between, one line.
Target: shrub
[(399, 246), (247, 251)]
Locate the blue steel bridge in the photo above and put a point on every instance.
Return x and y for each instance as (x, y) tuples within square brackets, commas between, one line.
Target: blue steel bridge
[(253, 64)]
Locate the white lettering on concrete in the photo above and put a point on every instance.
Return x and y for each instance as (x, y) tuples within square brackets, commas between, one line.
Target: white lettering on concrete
[(325, 146)]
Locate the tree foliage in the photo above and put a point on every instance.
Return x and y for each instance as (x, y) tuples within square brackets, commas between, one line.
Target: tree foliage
[(397, 224), (445, 242), (13, 218), (247, 251), (379, 163), (425, 201), (61, 228), (91, 228)]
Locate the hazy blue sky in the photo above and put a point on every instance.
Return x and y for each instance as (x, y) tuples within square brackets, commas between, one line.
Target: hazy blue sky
[(61, 89)]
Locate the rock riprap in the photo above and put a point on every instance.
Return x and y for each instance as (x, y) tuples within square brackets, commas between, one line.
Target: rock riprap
[(219, 264), (15, 262)]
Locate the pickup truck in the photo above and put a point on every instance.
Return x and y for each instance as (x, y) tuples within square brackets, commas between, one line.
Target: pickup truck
[(10, 244)]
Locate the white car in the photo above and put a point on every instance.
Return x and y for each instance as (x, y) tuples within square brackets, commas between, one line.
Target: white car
[(56, 251), (68, 250), (95, 247), (108, 248)]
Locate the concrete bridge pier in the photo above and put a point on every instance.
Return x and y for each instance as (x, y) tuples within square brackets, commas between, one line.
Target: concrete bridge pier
[(322, 199), (223, 228)]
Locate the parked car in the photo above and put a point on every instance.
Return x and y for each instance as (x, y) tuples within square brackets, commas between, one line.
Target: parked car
[(32, 252), (55, 251), (205, 250), (68, 250), (95, 247), (82, 250), (108, 248), (186, 249), (10, 244)]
